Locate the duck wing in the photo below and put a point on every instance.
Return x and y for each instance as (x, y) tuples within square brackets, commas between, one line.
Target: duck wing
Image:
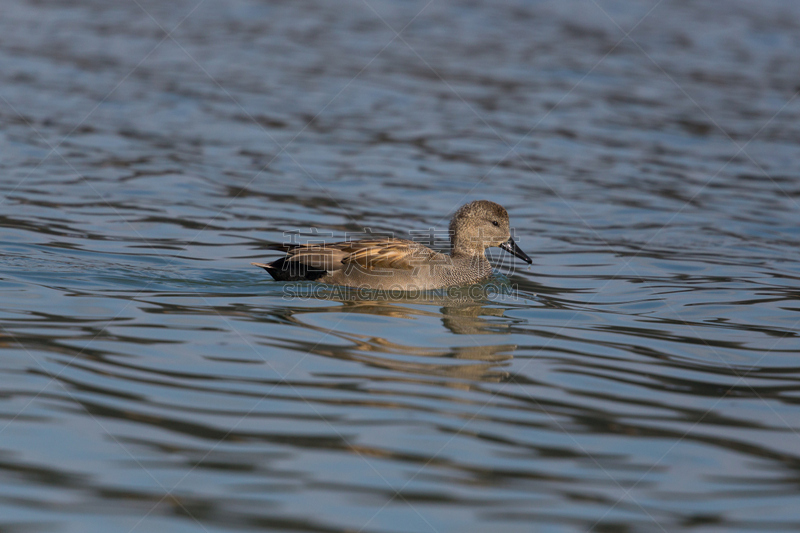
[(319, 257), (385, 252), (393, 253)]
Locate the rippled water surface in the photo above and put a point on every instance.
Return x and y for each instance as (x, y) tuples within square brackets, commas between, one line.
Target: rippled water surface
[(643, 375)]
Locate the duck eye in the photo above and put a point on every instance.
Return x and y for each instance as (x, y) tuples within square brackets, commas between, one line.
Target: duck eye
[(494, 223)]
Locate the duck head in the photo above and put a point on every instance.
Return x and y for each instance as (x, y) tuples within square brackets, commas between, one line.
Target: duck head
[(482, 224)]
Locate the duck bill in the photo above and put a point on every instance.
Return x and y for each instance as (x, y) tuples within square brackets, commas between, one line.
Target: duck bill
[(511, 247)]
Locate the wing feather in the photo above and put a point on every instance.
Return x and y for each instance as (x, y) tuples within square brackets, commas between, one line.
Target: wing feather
[(391, 253), (373, 253)]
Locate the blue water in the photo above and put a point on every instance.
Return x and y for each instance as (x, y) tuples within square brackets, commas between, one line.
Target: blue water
[(642, 375)]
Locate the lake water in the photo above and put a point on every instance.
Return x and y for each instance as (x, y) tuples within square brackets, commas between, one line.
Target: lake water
[(642, 375)]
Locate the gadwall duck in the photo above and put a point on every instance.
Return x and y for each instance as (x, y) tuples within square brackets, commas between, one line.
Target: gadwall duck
[(398, 264)]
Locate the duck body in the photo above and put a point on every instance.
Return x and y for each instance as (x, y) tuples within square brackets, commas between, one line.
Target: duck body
[(399, 264)]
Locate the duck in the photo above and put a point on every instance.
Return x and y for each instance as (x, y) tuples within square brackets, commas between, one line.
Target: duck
[(388, 263)]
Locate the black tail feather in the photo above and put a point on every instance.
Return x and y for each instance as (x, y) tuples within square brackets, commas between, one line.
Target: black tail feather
[(283, 270)]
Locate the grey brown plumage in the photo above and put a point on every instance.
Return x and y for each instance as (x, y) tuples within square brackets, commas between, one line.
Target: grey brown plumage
[(389, 263)]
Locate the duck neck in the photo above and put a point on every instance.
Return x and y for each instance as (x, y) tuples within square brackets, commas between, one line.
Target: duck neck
[(464, 248), (469, 262)]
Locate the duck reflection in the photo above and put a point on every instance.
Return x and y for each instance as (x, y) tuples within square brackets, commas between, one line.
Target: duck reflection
[(464, 313)]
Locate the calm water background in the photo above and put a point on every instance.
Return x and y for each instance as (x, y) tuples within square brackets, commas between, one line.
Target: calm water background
[(642, 376)]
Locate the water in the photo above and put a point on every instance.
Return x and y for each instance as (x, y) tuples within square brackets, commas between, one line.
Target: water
[(643, 375)]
